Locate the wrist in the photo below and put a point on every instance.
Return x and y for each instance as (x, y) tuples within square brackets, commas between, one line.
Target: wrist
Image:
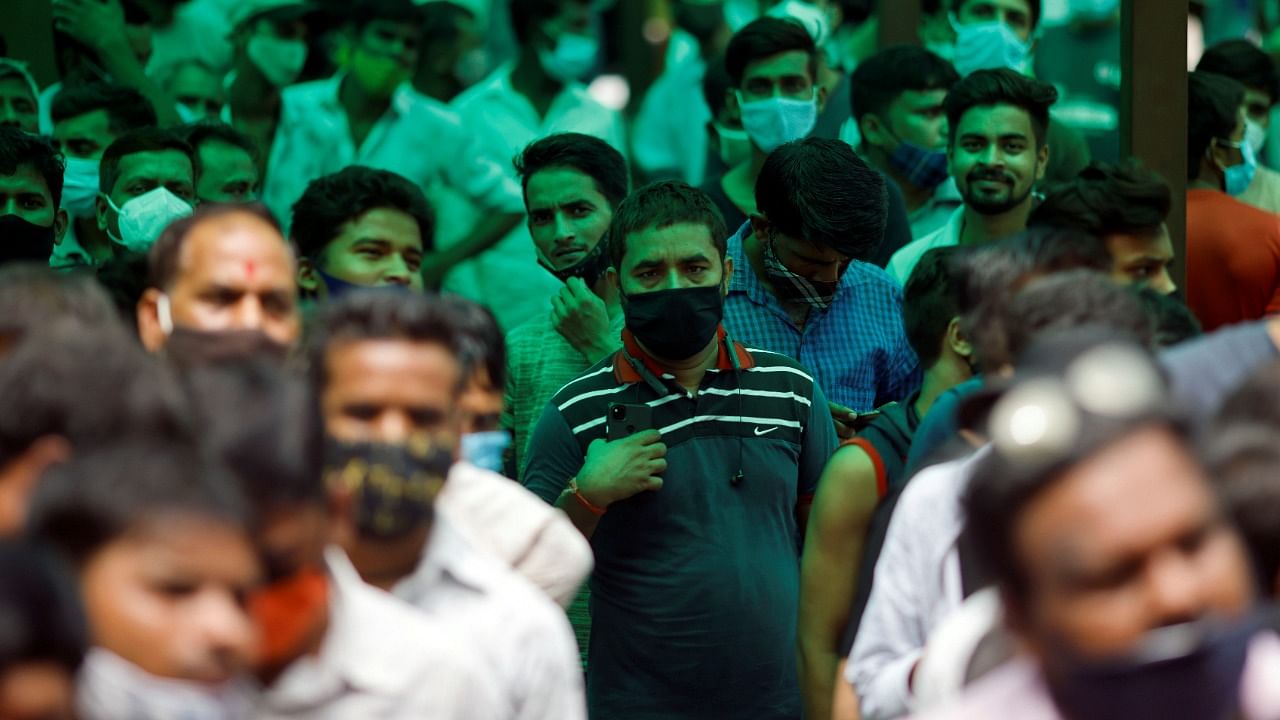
[(592, 504)]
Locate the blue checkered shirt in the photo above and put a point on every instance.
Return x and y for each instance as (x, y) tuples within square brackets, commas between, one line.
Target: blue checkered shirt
[(857, 348)]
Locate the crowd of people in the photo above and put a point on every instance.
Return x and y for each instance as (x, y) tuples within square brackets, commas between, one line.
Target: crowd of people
[(363, 361)]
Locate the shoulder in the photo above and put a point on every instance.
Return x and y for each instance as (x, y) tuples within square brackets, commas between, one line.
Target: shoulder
[(531, 330), (864, 277), (306, 94), (767, 361), (597, 377), (935, 491)]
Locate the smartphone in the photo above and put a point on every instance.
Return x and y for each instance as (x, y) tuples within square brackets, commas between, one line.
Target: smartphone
[(626, 419)]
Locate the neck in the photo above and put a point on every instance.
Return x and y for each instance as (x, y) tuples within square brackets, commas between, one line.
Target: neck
[(530, 80), (915, 197), (943, 375), (689, 372), (251, 94), (1207, 182), (439, 87), (359, 103), (980, 228)]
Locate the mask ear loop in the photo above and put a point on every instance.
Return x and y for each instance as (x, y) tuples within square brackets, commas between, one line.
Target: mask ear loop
[(164, 314)]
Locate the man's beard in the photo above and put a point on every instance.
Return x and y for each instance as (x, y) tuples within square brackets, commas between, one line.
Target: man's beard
[(987, 205)]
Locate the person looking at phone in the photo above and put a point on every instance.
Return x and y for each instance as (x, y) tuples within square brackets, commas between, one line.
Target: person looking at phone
[(696, 518)]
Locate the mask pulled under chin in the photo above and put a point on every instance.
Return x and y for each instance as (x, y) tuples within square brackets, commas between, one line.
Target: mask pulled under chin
[(675, 324), (590, 268), (336, 287), (1187, 671), (288, 613), (108, 687)]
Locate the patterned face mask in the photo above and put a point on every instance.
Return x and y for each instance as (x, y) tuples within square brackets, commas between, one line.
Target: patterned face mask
[(393, 486), (818, 294)]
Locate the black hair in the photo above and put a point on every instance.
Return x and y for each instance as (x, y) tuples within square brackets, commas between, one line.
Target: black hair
[(141, 141), (89, 385), (763, 38), (716, 85), (1034, 5), (660, 205), (990, 275), (818, 190), (264, 423), (22, 149), (197, 134), (987, 88), (483, 345), (528, 15), (588, 155), (33, 296), (1213, 103), (360, 14), (331, 201), (127, 109), (165, 255), (44, 619), (1106, 199), (1245, 63), (370, 315), (440, 23), (929, 303), (1172, 322), (882, 78), (1072, 299), (1243, 459), (105, 492)]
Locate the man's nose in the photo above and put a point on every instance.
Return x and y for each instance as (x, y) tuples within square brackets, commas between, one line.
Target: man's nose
[(226, 634), (249, 314), (398, 272), (1174, 590)]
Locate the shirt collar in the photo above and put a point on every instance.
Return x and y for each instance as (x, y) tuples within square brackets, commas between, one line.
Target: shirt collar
[(632, 364), (446, 558)]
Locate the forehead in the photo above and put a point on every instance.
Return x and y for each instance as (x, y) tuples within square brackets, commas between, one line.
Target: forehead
[(561, 184), (389, 224), (1127, 498), (1157, 244), (155, 164), (25, 179), (792, 62), (995, 121), (94, 122), (919, 99), (12, 86), (398, 365), (1254, 96), (223, 249), (217, 151), (668, 244)]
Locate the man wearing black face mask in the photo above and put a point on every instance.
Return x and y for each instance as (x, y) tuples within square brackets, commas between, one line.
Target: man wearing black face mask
[(31, 222), (696, 504)]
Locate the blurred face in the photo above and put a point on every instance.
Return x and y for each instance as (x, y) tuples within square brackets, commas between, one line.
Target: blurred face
[(915, 117), (1257, 105), (677, 256), (37, 691), (140, 173), (1142, 260), (1225, 155), (84, 136), (388, 391), (1014, 13), (395, 41), (199, 90), (480, 404), (235, 272), (170, 598), (379, 248), (1128, 541), (574, 18), (18, 106), (227, 173), (994, 159), (567, 215)]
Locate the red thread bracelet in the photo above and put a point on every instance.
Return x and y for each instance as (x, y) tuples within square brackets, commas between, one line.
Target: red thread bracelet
[(583, 501)]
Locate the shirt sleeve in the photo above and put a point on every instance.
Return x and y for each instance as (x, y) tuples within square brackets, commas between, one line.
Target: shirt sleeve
[(819, 443), (551, 669), (554, 456), (1202, 372), (901, 377), (477, 175)]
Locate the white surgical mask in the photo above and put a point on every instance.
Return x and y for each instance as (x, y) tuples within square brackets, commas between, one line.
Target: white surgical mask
[(572, 58), (279, 60), (80, 187), (1255, 135), (735, 145), (776, 121), (485, 449), (807, 14), (989, 46), (108, 687), (143, 218)]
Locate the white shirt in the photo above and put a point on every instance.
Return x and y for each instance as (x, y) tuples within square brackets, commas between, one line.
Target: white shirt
[(904, 261), (917, 585), (937, 211), (669, 134), (507, 277), (417, 137), (500, 517), (524, 638), (381, 658)]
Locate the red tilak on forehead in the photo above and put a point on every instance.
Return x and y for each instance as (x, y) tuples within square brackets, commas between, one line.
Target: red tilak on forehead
[(250, 269)]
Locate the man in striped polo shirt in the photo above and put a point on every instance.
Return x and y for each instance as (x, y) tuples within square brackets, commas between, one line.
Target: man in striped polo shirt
[(696, 517)]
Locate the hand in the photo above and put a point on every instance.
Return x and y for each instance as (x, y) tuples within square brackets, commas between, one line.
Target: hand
[(849, 422), (579, 315), (617, 470), (95, 23)]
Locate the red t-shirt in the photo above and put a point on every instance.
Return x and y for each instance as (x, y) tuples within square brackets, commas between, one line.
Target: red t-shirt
[(1233, 259)]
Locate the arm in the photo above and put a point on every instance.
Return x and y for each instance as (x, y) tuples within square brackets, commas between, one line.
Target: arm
[(819, 443), (487, 233), (847, 496)]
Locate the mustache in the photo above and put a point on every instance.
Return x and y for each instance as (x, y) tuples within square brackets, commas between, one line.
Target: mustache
[(981, 174)]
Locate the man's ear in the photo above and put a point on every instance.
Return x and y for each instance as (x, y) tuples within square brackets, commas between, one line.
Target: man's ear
[(153, 336), (873, 131), (1042, 164), (101, 209), (956, 340), (728, 275), (60, 223), (308, 277)]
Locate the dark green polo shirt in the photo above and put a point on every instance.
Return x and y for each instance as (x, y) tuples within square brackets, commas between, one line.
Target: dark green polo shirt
[(696, 586)]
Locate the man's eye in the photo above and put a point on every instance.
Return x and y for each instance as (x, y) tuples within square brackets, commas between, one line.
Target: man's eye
[(580, 211), (364, 413), (177, 589), (372, 253), (1014, 147), (539, 218), (32, 203)]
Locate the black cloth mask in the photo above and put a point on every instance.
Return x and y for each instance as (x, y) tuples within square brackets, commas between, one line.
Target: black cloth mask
[(21, 240), (675, 324)]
